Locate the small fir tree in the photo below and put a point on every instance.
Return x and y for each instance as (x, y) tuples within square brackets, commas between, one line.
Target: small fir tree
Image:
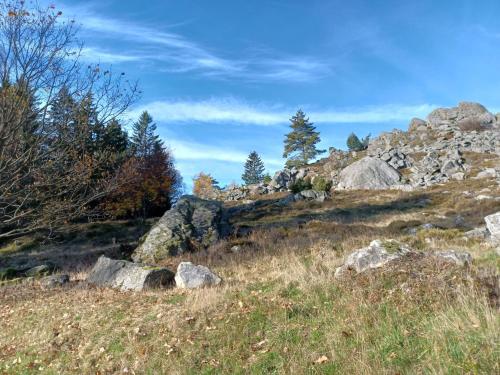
[(300, 143), (267, 179), (254, 169), (355, 144), (144, 138)]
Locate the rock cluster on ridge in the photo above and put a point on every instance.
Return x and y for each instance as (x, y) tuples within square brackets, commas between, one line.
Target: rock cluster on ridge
[(432, 151)]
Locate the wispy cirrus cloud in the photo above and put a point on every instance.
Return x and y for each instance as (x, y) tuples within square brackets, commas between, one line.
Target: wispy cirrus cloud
[(96, 55), (230, 110), (178, 54), (217, 110)]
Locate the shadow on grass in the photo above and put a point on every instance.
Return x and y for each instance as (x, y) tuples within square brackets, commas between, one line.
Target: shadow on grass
[(75, 247), (271, 214)]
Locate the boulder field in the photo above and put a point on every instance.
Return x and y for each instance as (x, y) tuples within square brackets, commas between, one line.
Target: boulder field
[(431, 151)]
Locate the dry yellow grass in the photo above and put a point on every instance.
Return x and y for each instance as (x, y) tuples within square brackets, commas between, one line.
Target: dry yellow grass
[(280, 310)]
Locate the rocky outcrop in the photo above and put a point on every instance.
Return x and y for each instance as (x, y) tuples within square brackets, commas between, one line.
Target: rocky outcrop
[(234, 193), (369, 173), (464, 111), (380, 253), (430, 152), (394, 157), (417, 125), (284, 179), (193, 223), (125, 275), (190, 276), (435, 168)]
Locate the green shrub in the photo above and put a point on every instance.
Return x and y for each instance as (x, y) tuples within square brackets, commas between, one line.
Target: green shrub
[(300, 185), (355, 144), (267, 179), (321, 184)]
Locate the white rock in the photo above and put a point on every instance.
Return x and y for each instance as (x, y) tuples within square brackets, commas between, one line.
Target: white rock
[(460, 258), (190, 276), (374, 256), (369, 173), (487, 173), (493, 225)]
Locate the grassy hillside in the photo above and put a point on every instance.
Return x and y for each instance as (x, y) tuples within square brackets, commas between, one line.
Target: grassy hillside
[(280, 310)]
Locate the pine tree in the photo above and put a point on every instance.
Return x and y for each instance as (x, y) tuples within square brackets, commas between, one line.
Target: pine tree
[(143, 136), (300, 143), (355, 144), (254, 169)]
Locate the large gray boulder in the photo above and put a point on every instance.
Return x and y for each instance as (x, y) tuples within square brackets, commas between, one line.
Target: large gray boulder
[(493, 225), (369, 173), (125, 275), (191, 224), (190, 276)]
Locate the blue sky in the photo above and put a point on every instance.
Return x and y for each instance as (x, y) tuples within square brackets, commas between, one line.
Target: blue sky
[(222, 78)]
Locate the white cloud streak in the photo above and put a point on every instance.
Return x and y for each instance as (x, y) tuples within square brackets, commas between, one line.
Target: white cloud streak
[(178, 54), (185, 151), (97, 55), (228, 110)]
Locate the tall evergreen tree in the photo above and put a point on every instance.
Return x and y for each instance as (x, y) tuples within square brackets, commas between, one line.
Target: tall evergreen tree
[(300, 143), (254, 169), (144, 138)]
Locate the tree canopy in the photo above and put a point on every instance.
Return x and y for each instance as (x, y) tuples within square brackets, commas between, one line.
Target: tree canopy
[(355, 144), (300, 143)]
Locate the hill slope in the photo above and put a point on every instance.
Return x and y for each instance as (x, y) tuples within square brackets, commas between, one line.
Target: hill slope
[(280, 308)]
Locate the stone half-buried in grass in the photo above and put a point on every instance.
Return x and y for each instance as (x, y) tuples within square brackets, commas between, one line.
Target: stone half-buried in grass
[(190, 276), (125, 275), (379, 253), (54, 281)]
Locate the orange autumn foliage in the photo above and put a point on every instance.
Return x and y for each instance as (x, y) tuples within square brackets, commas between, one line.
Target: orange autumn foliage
[(147, 187)]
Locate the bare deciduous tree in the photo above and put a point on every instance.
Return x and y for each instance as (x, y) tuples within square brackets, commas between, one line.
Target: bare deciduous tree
[(41, 185)]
